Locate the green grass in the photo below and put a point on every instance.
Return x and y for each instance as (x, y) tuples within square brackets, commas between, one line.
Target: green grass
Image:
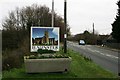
[(0, 75), (81, 67), (85, 68)]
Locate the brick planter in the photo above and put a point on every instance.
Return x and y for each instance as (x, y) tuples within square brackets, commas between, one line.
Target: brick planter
[(47, 65)]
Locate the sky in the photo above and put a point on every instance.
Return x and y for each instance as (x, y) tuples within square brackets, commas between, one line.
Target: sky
[(39, 32), (81, 14)]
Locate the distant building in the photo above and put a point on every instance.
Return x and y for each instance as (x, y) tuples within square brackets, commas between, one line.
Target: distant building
[(102, 39), (45, 40)]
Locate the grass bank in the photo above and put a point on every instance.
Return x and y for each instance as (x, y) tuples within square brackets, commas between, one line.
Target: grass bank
[(81, 67)]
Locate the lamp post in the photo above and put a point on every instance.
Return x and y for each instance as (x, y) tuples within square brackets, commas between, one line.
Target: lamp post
[(65, 26)]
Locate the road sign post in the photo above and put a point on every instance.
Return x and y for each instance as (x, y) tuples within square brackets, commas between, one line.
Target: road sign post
[(65, 23)]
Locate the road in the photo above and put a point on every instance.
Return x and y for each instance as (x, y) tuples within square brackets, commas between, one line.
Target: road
[(106, 58)]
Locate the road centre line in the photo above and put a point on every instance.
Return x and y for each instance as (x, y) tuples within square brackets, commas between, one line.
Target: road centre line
[(91, 50), (108, 55), (102, 53), (111, 56), (97, 51), (83, 47)]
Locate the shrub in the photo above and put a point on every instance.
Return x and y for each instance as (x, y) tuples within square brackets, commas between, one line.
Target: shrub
[(12, 59)]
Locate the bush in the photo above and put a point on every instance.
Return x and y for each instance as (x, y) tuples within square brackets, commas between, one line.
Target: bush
[(12, 59), (12, 39)]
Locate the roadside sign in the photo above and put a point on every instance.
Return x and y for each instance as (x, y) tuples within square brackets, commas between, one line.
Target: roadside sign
[(44, 38)]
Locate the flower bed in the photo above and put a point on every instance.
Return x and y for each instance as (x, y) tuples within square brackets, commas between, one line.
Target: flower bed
[(47, 63)]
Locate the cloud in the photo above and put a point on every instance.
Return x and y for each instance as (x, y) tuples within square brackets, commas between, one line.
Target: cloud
[(55, 31), (38, 36)]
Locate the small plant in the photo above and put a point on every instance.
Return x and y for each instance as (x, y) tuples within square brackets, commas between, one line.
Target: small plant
[(44, 51), (47, 54), (32, 57), (87, 59)]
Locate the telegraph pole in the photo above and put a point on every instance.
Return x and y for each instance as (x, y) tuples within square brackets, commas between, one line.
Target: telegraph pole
[(17, 17), (65, 28), (93, 29), (52, 13)]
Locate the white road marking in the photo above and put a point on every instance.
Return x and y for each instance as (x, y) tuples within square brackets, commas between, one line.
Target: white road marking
[(97, 51), (111, 56), (94, 51), (102, 53), (90, 50), (108, 55)]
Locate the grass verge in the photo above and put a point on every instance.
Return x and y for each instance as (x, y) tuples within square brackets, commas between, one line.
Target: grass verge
[(81, 67)]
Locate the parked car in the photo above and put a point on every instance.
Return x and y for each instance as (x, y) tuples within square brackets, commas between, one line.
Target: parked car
[(81, 42)]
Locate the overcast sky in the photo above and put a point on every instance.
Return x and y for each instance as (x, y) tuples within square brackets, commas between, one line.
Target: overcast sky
[(81, 14)]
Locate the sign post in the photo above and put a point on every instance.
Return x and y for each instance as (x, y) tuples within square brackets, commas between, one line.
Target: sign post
[(65, 23)]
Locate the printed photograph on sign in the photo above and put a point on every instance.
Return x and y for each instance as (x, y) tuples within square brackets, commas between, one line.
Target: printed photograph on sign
[(44, 38)]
